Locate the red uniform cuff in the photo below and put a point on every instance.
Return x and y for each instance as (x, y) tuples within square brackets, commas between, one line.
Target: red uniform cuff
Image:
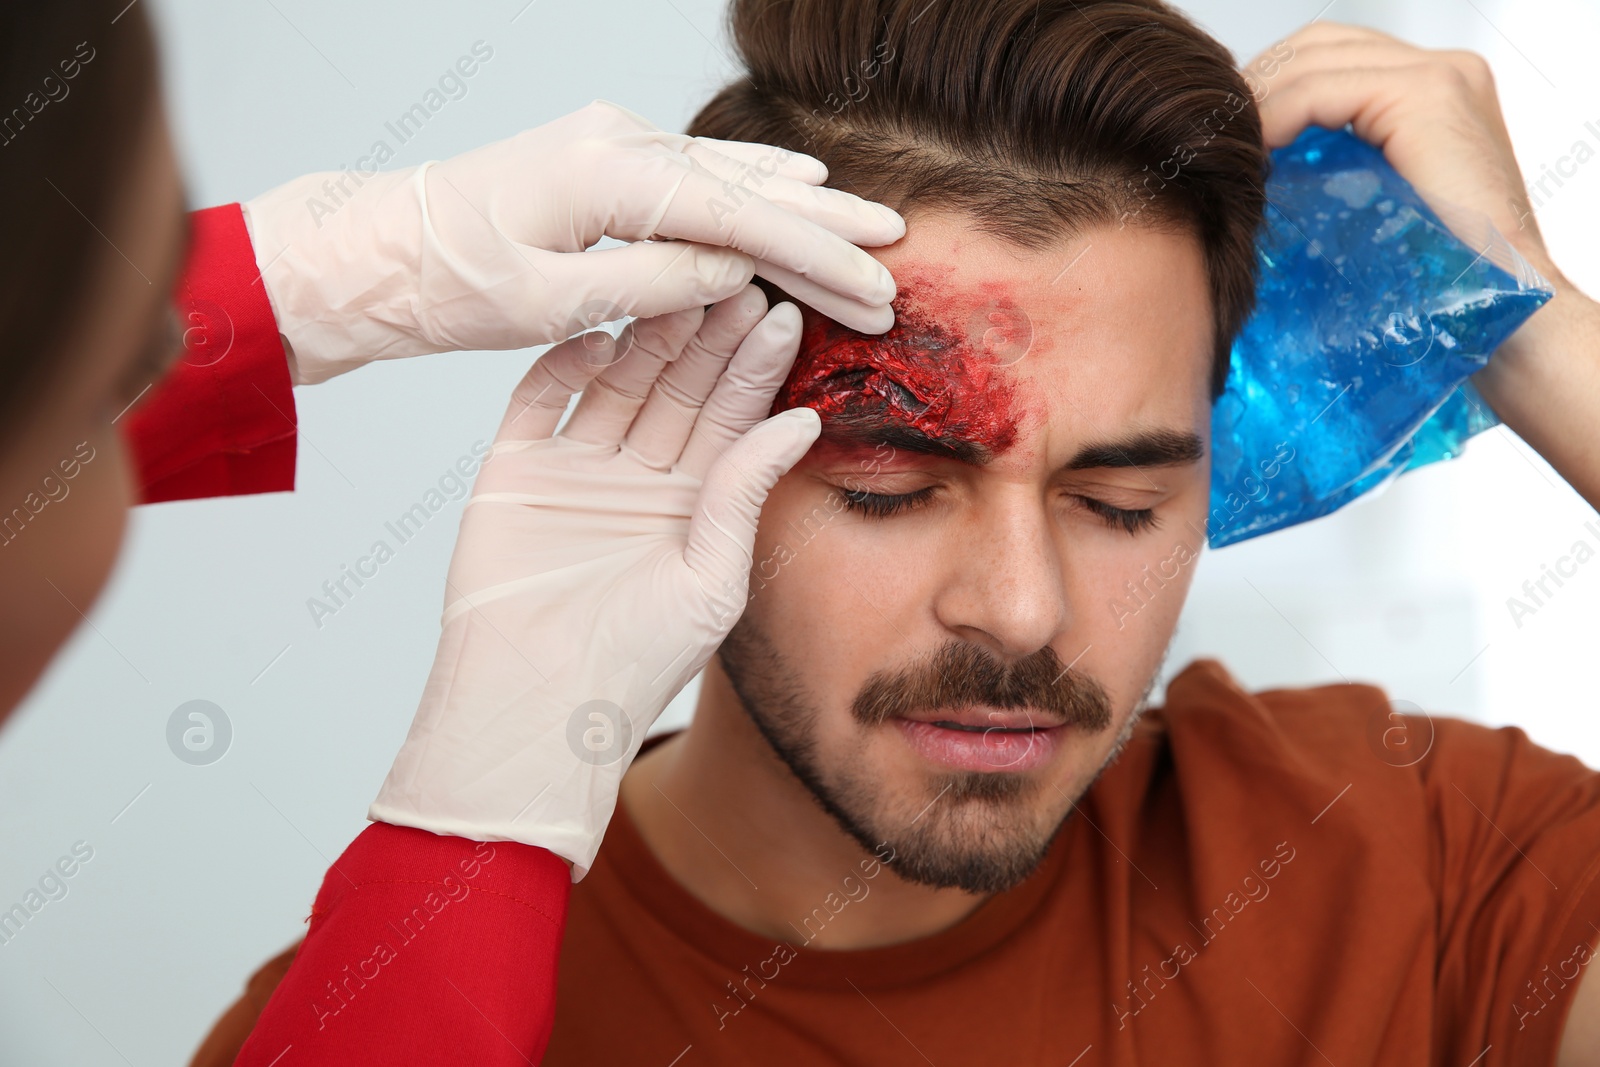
[(423, 949), (222, 422)]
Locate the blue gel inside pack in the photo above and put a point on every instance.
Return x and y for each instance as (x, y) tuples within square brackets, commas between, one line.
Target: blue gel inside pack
[(1370, 316)]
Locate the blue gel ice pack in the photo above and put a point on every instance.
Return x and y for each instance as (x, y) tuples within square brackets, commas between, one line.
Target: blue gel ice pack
[(1370, 316)]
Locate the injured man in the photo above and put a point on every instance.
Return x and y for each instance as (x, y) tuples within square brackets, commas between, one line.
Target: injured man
[(923, 813)]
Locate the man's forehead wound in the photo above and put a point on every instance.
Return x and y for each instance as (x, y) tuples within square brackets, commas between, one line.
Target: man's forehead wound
[(926, 378)]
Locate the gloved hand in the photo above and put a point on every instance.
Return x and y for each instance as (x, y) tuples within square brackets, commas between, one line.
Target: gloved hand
[(596, 571), (487, 250)]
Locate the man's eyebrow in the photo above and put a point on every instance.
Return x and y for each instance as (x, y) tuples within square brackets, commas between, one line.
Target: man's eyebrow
[(901, 436), (1147, 448)]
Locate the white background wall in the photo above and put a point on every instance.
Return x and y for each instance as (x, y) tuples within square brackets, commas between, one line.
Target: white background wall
[(200, 873)]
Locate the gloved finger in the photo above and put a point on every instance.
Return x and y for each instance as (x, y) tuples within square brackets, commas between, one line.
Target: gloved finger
[(664, 423), (859, 221), (722, 530), (862, 318), (608, 407), (541, 397), (710, 211), (647, 278), (743, 395), (768, 159)]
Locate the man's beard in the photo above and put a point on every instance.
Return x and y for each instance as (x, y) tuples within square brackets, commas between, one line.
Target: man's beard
[(979, 831)]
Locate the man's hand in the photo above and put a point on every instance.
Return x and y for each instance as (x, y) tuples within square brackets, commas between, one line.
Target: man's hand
[(488, 250), (597, 570), (1436, 116)]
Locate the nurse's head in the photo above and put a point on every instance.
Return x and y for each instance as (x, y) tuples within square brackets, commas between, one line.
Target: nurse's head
[(962, 593), (91, 236)]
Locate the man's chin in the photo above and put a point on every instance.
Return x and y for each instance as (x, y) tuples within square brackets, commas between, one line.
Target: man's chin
[(983, 833), (978, 831)]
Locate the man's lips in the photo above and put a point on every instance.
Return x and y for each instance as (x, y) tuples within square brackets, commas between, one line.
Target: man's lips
[(981, 738), (981, 717), (989, 749)]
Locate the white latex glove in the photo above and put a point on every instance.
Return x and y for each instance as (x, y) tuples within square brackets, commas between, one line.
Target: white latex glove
[(487, 250), (596, 571)]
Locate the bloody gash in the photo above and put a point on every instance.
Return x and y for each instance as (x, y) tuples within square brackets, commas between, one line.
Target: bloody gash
[(924, 376)]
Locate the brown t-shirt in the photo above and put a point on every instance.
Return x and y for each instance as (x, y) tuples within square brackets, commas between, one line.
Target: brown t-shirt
[(1254, 881), (1289, 877)]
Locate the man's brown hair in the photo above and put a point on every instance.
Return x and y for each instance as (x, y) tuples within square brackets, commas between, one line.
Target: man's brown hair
[(1036, 118)]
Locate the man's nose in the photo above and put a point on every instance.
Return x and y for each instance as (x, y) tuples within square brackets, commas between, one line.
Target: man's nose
[(1002, 586)]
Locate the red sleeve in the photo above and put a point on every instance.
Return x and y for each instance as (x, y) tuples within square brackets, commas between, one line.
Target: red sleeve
[(222, 422), (422, 949)]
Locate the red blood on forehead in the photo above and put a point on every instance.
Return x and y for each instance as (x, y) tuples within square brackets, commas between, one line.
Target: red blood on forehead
[(924, 373)]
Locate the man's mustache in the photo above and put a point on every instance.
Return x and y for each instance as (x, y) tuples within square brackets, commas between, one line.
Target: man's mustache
[(960, 674)]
